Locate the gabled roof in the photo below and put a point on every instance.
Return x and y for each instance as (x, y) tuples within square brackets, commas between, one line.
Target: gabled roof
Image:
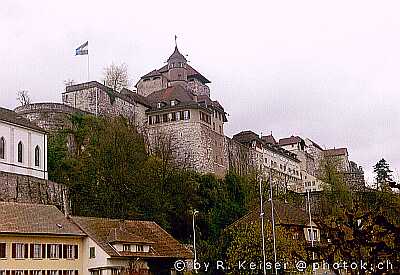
[(335, 152), (284, 214), (118, 235), (23, 218), (269, 139), (108, 90), (290, 140), (12, 117), (246, 137), (191, 73), (135, 97), (163, 244), (171, 93)]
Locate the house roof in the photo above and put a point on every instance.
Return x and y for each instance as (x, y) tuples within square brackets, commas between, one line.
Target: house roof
[(125, 94), (335, 152), (191, 73), (118, 235), (177, 56), (10, 116), (171, 93), (246, 137), (315, 144), (269, 139), (163, 244), (284, 214), (22, 218), (290, 140), (135, 97)]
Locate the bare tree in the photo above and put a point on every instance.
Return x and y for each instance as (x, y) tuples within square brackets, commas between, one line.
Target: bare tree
[(116, 76), (23, 97)]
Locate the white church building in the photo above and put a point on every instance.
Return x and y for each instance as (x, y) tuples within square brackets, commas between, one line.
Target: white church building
[(23, 146)]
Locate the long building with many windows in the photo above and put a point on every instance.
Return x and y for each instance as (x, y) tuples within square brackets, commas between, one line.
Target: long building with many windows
[(23, 145)]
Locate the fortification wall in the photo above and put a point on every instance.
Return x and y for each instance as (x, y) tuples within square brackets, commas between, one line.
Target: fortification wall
[(49, 116), (26, 189)]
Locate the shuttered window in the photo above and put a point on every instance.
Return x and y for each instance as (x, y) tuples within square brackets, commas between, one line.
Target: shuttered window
[(3, 251)]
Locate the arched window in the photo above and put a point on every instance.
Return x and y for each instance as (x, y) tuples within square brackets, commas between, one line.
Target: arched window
[(2, 148), (37, 156), (20, 153)]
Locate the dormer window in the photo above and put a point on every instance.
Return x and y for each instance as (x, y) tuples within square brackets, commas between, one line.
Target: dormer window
[(126, 247), (159, 105), (312, 234), (173, 102)]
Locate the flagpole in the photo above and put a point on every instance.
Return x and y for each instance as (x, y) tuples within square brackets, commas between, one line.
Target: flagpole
[(88, 67)]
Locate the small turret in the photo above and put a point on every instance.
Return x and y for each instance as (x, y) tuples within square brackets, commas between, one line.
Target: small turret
[(177, 70)]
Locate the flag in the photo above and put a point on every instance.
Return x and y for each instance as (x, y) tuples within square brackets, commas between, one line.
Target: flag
[(83, 49)]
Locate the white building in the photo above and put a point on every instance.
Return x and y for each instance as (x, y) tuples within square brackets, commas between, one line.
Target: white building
[(23, 146)]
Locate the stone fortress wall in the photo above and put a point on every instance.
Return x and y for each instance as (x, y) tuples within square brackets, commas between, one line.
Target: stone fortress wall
[(49, 116), (26, 189)]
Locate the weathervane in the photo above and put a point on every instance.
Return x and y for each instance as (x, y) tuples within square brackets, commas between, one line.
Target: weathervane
[(176, 44)]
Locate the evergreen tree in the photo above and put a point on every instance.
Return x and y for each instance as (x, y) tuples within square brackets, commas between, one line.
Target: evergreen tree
[(383, 174)]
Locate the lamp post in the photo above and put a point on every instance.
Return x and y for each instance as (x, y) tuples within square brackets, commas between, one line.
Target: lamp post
[(273, 219), (262, 226), (194, 239)]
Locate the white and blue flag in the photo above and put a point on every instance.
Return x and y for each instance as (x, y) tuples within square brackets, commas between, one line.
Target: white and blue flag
[(83, 49)]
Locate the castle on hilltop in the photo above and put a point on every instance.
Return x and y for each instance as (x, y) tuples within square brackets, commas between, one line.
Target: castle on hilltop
[(173, 105)]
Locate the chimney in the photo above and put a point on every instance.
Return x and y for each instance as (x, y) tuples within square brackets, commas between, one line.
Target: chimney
[(65, 201)]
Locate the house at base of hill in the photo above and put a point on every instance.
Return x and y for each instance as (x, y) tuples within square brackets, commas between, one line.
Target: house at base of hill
[(40, 240)]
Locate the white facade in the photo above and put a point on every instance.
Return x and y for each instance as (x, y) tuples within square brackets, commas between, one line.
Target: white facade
[(23, 150), (97, 262)]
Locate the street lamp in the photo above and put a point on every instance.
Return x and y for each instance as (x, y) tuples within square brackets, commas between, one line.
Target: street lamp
[(194, 238)]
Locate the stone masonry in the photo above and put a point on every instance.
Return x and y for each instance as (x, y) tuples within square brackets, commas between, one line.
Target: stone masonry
[(26, 189)]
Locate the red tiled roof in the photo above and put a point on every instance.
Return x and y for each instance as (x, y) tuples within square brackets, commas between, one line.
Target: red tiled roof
[(284, 214), (290, 140), (119, 235), (23, 218), (163, 244), (191, 72), (269, 139)]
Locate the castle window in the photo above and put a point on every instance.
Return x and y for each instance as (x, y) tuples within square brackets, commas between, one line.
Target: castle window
[(186, 115), (159, 105), (165, 118), (214, 126), (178, 115), (2, 148), (173, 102), (36, 252), (181, 116), (3, 249), (92, 252), (150, 120), (157, 119), (220, 129), (173, 118), (37, 156), (20, 155)]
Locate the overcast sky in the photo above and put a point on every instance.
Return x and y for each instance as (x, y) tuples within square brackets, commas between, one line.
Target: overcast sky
[(327, 71)]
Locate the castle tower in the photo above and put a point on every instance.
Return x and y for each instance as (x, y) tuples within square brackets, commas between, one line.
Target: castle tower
[(177, 68)]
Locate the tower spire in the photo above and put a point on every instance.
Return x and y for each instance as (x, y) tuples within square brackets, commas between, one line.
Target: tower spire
[(176, 44)]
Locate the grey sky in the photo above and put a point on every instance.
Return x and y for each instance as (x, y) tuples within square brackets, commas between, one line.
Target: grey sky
[(328, 71)]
